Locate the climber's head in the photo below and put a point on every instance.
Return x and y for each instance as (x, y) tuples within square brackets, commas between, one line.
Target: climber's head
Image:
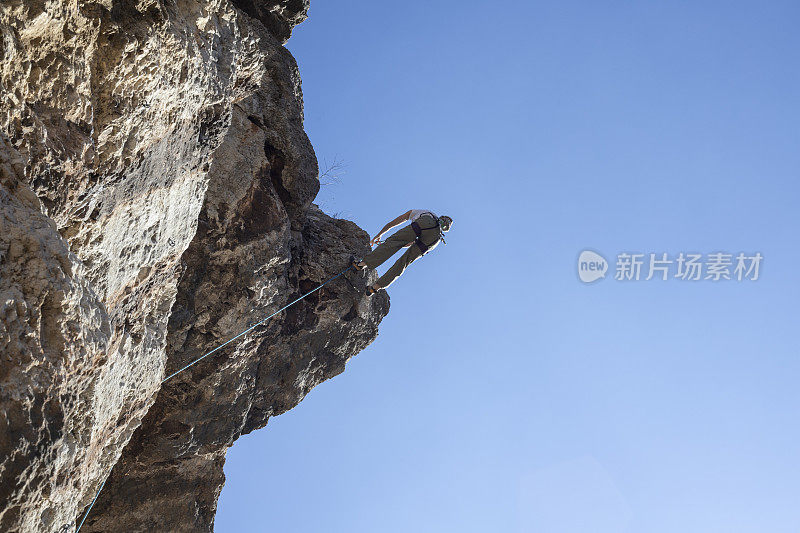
[(445, 222)]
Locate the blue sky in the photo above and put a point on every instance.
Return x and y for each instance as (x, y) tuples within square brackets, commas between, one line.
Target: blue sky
[(502, 394)]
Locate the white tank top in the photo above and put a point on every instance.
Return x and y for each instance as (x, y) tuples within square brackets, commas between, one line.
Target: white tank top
[(415, 214)]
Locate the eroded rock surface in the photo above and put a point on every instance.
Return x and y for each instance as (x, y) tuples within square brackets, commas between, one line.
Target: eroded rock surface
[(155, 200)]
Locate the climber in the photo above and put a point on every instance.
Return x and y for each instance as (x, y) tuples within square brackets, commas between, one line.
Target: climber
[(420, 237)]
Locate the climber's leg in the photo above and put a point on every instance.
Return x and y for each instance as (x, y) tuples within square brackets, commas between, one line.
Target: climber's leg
[(412, 254), (389, 247)]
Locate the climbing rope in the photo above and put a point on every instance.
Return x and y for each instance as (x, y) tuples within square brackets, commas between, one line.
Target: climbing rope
[(245, 332), (254, 326), (103, 484)]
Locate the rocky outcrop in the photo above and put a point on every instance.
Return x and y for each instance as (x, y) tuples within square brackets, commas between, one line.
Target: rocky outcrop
[(156, 189), (279, 17)]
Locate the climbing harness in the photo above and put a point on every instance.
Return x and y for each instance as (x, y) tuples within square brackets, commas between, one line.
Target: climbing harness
[(418, 230), (195, 361)]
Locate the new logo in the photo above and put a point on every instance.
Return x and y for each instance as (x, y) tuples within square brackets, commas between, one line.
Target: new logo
[(591, 266)]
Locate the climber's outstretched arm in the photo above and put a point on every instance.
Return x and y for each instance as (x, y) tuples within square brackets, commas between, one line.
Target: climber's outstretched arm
[(391, 225)]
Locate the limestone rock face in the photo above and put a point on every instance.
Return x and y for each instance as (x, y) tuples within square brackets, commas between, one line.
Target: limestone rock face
[(156, 191)]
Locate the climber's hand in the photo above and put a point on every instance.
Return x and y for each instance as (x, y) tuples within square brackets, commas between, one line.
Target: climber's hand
[(376, 241)]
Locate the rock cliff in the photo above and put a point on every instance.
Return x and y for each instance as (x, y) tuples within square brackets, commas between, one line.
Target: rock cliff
[(156, 190)]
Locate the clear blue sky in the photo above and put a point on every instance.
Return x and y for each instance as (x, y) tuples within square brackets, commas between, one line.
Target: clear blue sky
[(502, 394)]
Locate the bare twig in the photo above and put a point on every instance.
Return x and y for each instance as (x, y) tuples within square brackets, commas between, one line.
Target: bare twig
[(332, 174)]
